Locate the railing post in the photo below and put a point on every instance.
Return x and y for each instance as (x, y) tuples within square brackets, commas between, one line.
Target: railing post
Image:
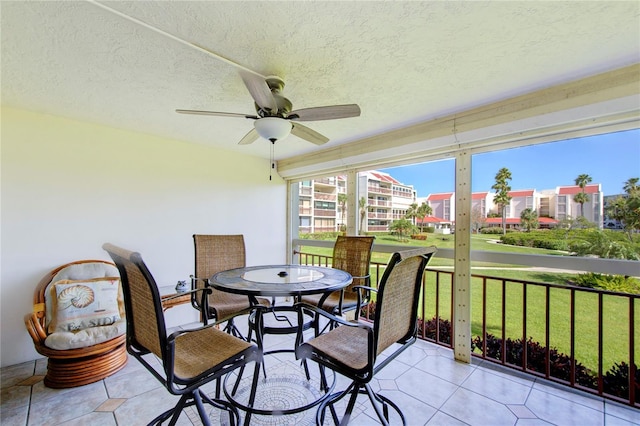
[(462, 259)]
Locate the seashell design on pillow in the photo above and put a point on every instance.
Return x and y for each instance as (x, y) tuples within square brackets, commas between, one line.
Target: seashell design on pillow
[(80, 296)]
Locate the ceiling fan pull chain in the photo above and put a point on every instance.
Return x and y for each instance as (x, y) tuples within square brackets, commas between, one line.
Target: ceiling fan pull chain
[(272, 165)]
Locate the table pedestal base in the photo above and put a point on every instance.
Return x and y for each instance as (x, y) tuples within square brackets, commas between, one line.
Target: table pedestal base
[(285, 397)]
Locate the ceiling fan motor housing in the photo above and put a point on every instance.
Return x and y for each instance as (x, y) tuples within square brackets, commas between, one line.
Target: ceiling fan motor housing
[(284, 105)]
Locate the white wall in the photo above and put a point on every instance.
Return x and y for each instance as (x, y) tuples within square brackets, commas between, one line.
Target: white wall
[(68, 187)]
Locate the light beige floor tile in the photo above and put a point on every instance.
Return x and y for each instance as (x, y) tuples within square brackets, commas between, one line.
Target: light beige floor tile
[(557, 410), (415, 411), (532, 422), (59, 407), (122, 385), (111, 404), (393, 371), (40, 393), (493, 394), (497, 387), (14, 397), (14, 374), (93, 419), (41, 366), (617, 421), (442, 419), (629, 414), (444, 368), (478, 410), (143, 408), (16, 416), (578, 397), (411, 356), (426, 387), (521, 411)]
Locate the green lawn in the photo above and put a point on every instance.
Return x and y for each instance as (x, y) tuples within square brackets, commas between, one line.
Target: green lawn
[(615, 312)]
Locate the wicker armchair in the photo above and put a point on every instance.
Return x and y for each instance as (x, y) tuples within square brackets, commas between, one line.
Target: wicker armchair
[(352, 348), (83, 356), (189, 358), (353, 255), (215, 253)]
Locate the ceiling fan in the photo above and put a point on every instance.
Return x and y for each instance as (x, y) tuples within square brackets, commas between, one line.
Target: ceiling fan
[(275, 119)]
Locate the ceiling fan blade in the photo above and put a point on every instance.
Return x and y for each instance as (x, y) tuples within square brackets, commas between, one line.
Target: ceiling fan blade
[(260, 91), (303, 132), (250, 137), (215, 113), (325, 113)]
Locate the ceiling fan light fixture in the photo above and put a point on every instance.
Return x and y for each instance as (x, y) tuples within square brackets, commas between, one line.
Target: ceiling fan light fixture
[(273, 128)]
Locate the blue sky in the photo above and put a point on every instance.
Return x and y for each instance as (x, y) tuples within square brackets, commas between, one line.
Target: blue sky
[(609, 159)]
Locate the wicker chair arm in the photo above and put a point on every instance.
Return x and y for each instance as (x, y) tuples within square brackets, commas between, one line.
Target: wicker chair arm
[(175, 296), (35, 329)]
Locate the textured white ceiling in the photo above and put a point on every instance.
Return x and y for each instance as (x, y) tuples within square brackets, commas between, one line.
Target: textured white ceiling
[(402, 62)]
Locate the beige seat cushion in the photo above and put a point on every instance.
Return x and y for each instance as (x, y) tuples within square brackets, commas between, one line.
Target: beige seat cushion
[(63, 340)]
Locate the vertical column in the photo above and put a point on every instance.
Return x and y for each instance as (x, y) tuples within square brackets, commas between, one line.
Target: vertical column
[(462, 259), (293, 220), (352, 202)]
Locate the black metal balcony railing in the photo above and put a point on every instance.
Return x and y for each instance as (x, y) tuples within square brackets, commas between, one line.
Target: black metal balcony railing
[(557, 315)]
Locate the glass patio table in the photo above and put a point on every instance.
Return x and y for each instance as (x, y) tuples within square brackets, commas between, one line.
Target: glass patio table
[(278, 281)]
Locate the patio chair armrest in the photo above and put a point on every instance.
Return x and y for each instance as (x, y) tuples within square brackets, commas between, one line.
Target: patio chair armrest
[(245, 311), (360, 297), (300, 307)]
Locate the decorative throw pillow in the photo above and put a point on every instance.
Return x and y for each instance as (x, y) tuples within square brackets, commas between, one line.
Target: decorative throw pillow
[(81, 304)]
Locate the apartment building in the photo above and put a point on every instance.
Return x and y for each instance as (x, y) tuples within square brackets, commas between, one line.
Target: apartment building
[(323, 209), (387, 199)]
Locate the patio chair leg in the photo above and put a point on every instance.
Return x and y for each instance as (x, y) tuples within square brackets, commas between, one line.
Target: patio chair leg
[(178, 408), (383, 415), (218, 387), (201, 411), (234, 416), (350, 405), (252, 395)]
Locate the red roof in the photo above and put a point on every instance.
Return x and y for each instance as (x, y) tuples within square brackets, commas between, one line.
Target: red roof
[(572, 190), (525, 193), (478, 195), (436, 197), (386, 178), (432, 219)]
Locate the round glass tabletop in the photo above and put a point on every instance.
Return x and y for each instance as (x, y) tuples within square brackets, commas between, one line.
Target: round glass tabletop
[(281, 280)]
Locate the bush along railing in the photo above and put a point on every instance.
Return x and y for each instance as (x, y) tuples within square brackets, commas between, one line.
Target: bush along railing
[(548, 330)]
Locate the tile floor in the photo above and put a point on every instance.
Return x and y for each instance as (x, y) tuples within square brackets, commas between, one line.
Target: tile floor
[(425, 381)]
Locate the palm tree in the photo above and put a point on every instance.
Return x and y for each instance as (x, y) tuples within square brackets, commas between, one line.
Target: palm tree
[(342, 200), (581, 198), (362, 204), (502, 198), (529, 219), (631, 187), (412, 212), (423, 211), (626, 209), (401, 227)]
